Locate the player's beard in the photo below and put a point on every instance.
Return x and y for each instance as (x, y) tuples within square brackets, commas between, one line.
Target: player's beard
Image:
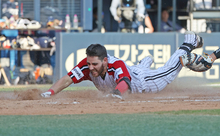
[(99, 72)]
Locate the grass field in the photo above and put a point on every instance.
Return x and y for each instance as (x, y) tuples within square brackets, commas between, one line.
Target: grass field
[(199, 123)]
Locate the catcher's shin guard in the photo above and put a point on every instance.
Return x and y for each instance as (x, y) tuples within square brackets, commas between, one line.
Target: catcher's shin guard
[(196, 62), (186, 59)]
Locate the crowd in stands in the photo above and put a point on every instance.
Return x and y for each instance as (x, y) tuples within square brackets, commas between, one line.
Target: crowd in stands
[(15, 35)]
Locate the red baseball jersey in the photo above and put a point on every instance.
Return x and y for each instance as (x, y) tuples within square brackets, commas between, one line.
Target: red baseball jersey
[(115, 70)]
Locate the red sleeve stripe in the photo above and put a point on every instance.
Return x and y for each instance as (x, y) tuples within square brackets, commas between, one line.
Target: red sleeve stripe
[(82, 69), (71, 76), (111, 69)]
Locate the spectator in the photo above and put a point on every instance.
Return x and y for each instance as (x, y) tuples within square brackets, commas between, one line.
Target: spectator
[(10, 8), (129, 14), (10, 14), (202, 4), (167, 25), (147, 21), (95, 21)]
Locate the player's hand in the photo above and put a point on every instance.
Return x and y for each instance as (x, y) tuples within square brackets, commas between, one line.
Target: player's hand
[(116, 18), (116, 94), (140, 17), (46, 94)]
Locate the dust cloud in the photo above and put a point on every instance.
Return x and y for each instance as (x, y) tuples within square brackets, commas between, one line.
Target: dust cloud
[(30, 94)]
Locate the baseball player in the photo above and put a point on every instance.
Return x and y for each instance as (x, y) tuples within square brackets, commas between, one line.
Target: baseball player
[(112, 75)]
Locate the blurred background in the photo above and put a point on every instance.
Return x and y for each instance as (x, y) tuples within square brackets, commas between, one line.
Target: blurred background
[(33, 31), (178, 11)]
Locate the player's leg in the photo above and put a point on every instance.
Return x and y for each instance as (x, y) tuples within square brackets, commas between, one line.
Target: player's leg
[(159, 78), (199, 63), (147, 61), (156, 80), (173, 65), (191, 42)]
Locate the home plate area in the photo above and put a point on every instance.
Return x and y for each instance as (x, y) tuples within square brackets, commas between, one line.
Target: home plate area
[(29, 102)]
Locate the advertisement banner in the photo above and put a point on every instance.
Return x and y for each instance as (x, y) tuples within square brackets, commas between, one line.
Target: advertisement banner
[(131, 48)]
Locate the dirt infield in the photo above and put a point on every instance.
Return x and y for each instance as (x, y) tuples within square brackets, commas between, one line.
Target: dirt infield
[(29, 102)]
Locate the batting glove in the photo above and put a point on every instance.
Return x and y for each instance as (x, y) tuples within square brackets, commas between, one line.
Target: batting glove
[(46, 94), (116, 94)]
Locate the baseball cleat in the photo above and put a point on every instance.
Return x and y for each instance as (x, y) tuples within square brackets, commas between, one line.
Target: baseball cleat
[(193, 40)]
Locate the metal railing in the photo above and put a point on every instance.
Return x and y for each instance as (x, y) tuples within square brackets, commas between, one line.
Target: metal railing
[(33, 8)]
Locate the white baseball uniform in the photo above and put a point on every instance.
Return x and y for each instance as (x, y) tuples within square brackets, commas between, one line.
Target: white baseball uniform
[(143, 79)]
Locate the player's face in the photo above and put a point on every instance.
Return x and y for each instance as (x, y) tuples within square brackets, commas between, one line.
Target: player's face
[(97, 67)]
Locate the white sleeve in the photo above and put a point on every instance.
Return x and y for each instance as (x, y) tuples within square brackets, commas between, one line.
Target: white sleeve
[(140, 7), (113, 8)]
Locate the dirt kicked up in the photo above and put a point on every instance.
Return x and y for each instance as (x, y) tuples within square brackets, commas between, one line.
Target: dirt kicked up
[(172, 98)]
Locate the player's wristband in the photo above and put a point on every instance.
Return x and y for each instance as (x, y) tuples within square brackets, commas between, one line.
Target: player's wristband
[(52, 91), (122, 87), (217, 53)]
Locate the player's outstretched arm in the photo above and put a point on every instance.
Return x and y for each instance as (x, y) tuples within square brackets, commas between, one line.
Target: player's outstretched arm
[(61, 84)]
